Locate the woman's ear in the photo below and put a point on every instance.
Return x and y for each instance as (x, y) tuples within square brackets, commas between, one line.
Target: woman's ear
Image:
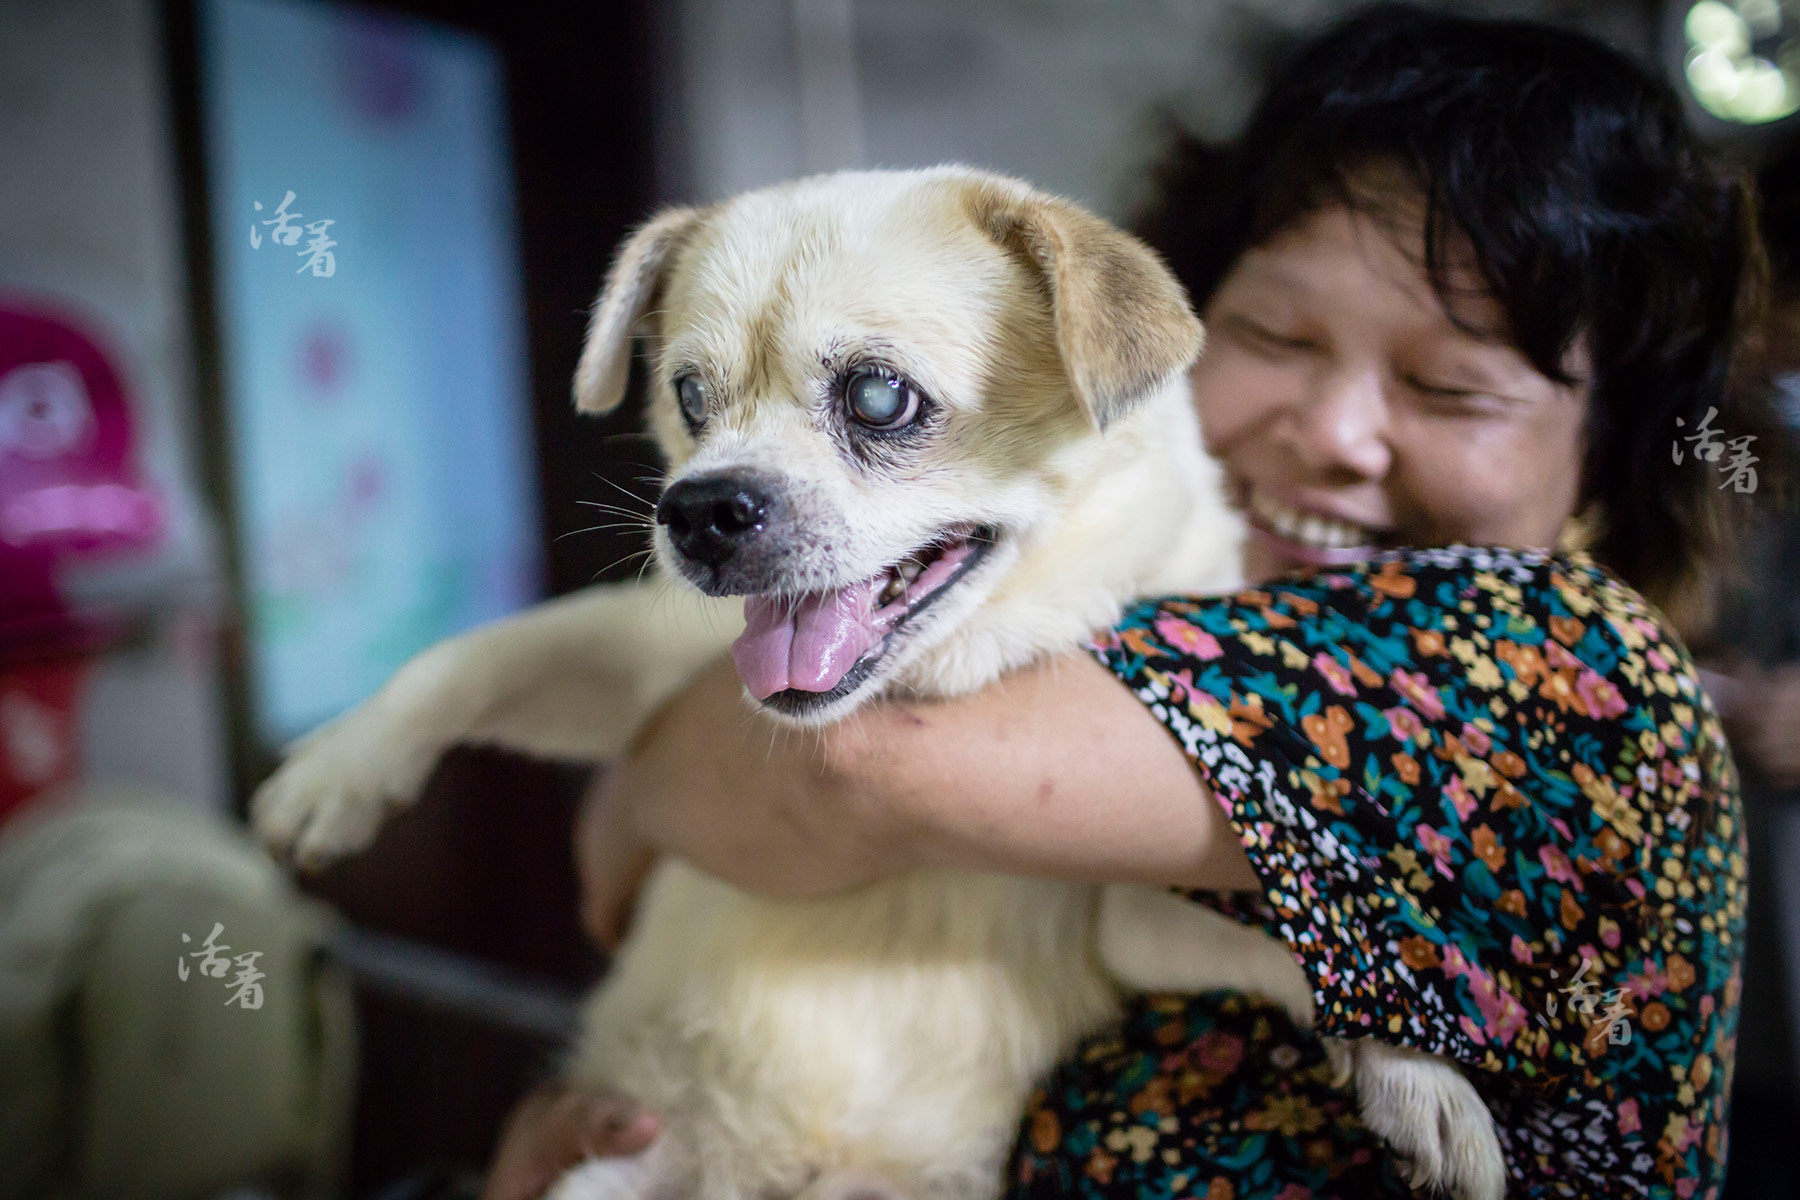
[(1123, 323), (631, 287)]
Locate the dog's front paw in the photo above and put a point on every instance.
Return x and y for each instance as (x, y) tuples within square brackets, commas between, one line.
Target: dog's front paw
[(337, 786), (1429, 1114)]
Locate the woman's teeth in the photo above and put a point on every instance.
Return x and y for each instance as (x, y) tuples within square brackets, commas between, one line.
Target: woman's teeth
[(1308, 529)]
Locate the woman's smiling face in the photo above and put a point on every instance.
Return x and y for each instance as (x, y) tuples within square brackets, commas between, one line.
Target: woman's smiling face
[(1351, 413)]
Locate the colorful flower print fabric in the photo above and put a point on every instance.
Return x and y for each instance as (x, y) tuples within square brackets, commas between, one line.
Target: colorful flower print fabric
[(1495, 819)]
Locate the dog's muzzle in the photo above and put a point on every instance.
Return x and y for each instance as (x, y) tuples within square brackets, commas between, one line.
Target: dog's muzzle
[(711, 518)]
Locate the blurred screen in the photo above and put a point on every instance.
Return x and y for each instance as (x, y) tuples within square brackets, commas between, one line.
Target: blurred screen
[(372, 338)]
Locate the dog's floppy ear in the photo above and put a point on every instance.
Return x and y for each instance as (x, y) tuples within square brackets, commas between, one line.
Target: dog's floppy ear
[(631, 287), (1123, 322)]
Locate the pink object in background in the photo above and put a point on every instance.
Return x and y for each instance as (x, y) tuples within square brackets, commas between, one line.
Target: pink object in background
[(70, 486), (39, 729), (324, 361)]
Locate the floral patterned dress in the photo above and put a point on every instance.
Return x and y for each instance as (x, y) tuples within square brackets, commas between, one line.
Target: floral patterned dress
[(1495, 819)]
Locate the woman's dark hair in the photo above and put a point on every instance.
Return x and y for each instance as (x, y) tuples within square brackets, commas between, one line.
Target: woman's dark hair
[(1592, 211)]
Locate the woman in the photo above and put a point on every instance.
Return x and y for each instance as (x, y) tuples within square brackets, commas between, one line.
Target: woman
[(1471, 281)]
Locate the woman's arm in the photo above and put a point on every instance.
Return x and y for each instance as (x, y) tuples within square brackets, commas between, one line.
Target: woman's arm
[(1054, 771)]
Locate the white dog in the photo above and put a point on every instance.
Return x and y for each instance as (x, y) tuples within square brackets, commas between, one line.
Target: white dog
[(931, 426)]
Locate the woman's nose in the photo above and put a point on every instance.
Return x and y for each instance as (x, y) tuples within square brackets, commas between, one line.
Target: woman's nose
[(1339, 428)]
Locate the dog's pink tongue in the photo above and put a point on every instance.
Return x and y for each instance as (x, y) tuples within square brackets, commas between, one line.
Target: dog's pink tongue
[(807, 644)]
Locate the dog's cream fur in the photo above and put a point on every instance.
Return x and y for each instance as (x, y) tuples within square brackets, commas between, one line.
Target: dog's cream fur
[(879, 1043)]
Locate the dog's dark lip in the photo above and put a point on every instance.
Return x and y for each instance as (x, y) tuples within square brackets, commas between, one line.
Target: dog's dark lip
[(794, 702)]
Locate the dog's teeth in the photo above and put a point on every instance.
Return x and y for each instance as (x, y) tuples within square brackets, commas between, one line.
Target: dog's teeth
[(895, 589), (910, 570)]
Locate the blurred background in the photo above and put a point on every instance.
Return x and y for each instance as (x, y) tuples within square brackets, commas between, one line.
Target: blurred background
[(290, 298)]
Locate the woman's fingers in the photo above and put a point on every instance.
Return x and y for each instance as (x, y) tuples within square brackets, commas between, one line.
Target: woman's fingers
[(553, 1129), (611, 1126)]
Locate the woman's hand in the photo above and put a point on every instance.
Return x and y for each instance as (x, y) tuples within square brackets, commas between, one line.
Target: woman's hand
[(1054, 771), (761, 805), (552, 1130), (611, 860)]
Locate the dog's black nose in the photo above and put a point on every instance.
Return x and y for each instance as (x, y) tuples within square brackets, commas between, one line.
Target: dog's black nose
[(710, 517)]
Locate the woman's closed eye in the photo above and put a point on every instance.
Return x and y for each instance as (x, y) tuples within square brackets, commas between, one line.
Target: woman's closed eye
[(1448, 396), (1267, 338)]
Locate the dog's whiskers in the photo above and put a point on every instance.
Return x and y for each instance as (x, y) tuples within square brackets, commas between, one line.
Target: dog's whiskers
[(666, 593), (643, 504), (642, 518), (599, 528), (619, 562), (625, 491), (663, 584)]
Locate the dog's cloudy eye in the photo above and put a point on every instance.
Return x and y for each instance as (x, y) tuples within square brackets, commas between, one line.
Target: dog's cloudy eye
[(692, 394), (881, 401)]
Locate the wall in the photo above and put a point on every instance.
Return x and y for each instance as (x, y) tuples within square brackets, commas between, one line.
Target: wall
[(89, 226), (1060, 91)]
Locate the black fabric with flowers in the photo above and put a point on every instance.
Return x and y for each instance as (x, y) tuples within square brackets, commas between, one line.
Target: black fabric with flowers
[(1494, 817)]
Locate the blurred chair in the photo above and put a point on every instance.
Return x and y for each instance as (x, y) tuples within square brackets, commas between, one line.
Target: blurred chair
[(121, 1079)]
